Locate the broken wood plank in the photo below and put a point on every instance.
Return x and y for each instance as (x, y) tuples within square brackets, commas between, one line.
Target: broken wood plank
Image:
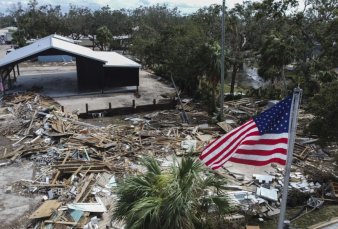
[(84, 188), (46, 209), (30, 124), (61, 222)]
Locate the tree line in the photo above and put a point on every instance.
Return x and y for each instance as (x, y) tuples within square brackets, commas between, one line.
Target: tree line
[(289, 44)]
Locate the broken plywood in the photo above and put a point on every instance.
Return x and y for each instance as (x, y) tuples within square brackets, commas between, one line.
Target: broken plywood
[(46, 209)]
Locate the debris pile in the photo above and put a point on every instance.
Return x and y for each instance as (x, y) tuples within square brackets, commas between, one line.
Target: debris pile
[(78, 164), (259, 195)]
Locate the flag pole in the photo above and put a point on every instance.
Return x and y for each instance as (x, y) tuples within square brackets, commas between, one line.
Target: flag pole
[(297, 93), (221, 117)]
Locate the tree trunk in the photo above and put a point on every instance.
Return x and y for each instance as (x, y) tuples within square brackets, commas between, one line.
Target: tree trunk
[(233, 78), (213, 99)]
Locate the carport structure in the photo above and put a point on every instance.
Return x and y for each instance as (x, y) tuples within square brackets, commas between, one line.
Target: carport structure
[(95, 69)]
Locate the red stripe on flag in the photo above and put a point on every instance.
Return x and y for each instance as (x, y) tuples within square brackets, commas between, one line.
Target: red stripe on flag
[(255, 163), (221, 156), (226, 137), (253, 143)]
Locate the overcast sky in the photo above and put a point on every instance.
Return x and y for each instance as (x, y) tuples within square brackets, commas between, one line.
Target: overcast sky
[(185, 6)]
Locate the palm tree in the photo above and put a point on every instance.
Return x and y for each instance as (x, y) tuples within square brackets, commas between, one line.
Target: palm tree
[(174, 198), (209, 63)]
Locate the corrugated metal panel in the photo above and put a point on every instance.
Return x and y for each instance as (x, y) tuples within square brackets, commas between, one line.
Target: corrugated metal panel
[(29, 50)]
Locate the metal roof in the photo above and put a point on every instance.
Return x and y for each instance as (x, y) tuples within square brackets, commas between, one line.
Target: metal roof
[(109, 59)]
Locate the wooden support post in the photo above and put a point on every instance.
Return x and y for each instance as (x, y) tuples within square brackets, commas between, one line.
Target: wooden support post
[(62, 108), (14, 74), (154, 101), (9, 80), (109, 106), (17, 69), (134, 105), (87, 108), (2, 86)]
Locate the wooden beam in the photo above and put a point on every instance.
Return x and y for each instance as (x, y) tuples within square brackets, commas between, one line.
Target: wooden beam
[(84, 188), (61, 222)]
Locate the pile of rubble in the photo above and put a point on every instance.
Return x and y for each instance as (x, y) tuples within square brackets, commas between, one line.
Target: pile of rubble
[(259, 195), (78, 163)]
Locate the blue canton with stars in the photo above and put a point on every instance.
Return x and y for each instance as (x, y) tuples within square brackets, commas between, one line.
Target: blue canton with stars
[(275, 120)]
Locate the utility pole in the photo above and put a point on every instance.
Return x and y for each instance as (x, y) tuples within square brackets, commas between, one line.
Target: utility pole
[(222, 67)]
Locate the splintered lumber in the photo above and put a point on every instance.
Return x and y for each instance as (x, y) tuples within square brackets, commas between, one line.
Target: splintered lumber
[(58, 172), (301, 152), (74, 174), (77, 166), (46, 209), (61, 222), (30, 124), (84, 188), (13, 155), (225, 126), (334, 186)]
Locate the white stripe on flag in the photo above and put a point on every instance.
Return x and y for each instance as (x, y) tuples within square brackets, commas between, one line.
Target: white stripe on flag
[(263, 147), (237, 138), (233, 148), (209, 147)]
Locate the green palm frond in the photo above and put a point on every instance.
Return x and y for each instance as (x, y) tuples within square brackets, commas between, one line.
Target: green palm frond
[(167, 199), (146, 211), (152, 165)]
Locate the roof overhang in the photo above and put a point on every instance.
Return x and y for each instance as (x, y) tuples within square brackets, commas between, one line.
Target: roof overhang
[(63, 44)]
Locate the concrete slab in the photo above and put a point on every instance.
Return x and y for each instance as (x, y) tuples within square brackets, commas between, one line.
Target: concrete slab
[(59, 82)]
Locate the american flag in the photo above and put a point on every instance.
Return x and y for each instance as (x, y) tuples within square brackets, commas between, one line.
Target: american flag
[(260, 141)]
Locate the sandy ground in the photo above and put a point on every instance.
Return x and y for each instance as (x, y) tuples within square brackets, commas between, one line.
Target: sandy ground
[(13, 205)]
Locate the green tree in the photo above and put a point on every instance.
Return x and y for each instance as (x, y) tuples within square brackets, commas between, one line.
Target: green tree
[(324, 107), (237, 28), (276, 52), (174, 198), (79, 21), (209, 21), (148, 24), (19, 38), (103, 37)]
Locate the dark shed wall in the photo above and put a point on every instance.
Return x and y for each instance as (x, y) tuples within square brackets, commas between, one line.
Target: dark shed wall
[(121, 76), (89, 74)]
